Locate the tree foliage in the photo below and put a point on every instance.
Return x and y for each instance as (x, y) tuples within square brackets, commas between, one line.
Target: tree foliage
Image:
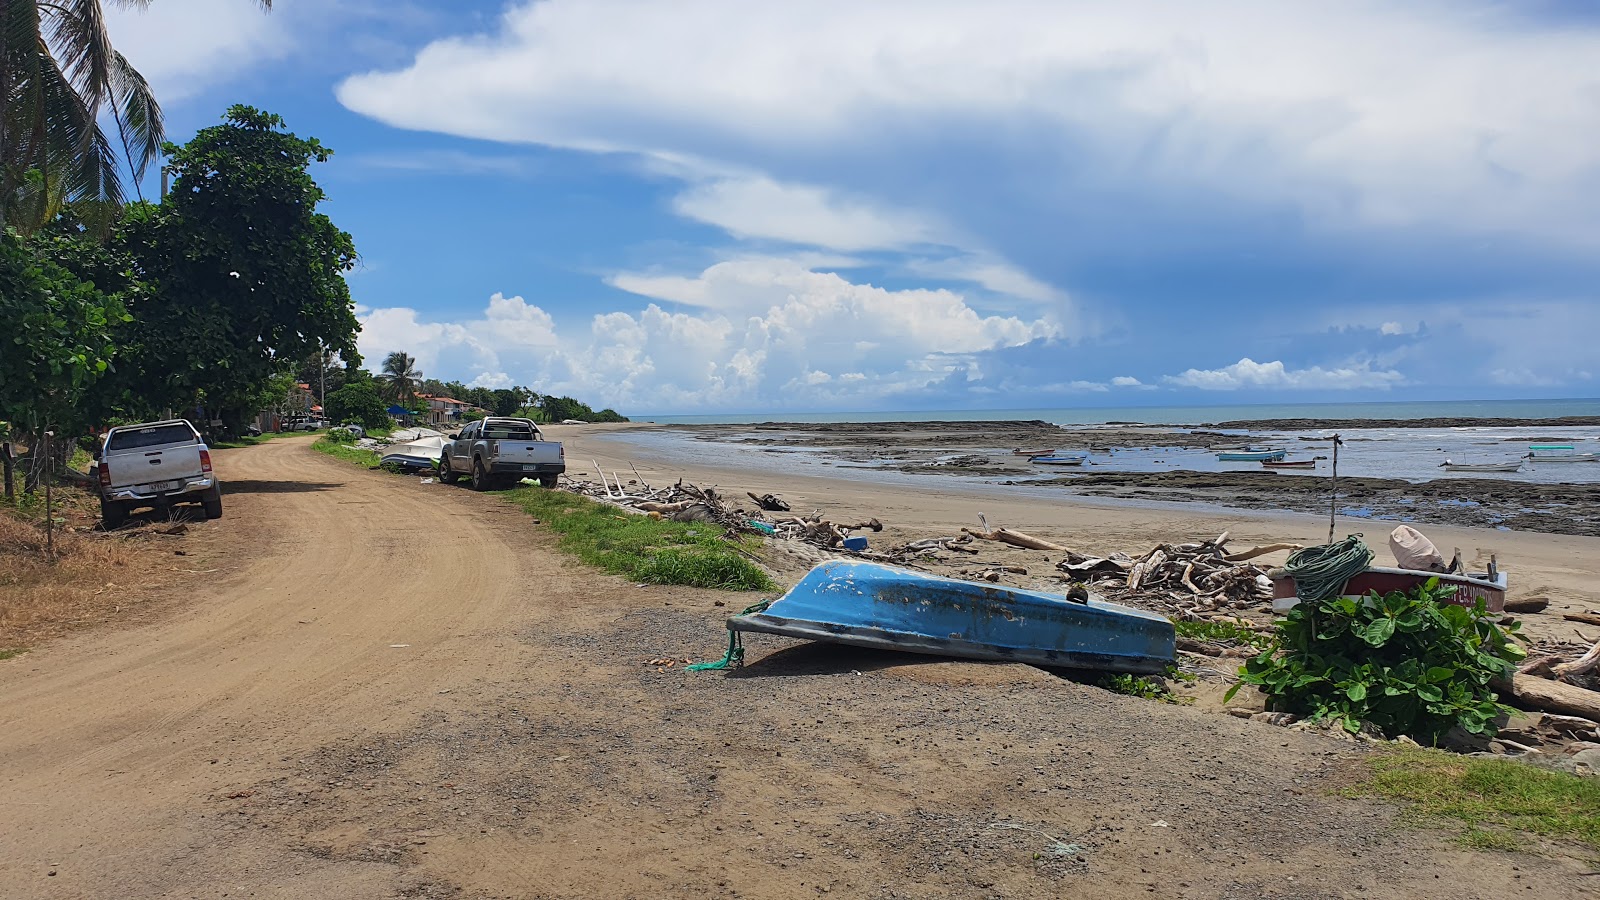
[(248, 274), (1409, 663), (59, 339), (357, 402), (400, 377)]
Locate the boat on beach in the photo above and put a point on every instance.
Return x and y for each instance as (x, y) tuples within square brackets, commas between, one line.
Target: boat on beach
[(872, 605), (1252, 454), (1449, 466), (1058, 460), (1490, 586), (1289, 463), (1031, 453)]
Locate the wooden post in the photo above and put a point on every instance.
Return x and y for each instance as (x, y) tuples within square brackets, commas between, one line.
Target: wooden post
[(7, 459), (1333, 502), (49, 509)]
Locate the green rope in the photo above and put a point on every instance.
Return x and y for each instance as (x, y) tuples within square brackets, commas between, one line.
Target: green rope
[(1321, 572), (734, 658)]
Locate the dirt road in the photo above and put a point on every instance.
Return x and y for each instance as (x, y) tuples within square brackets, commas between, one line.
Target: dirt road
[(389, 689)]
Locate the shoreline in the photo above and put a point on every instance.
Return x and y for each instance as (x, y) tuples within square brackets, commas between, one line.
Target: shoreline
[(1561, 567)]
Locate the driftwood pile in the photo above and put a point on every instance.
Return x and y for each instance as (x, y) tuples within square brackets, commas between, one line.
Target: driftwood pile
[(1189, 581), (686, 502)]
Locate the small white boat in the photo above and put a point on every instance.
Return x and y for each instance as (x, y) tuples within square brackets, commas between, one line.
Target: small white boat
[(1058, 460), (1558, 453), (1449, 466)]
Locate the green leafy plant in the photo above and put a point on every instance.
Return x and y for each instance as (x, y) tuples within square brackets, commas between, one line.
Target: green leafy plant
[(1223, 633), (1147, 687), (1409, 663)]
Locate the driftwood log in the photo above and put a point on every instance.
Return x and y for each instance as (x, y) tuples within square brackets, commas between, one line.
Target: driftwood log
[(1550, 696), (1585, 618), (1527, 605), (1014, 538)]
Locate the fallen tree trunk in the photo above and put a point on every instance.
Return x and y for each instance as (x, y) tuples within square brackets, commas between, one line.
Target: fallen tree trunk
[(1585, 618), (1580, 665), (1551, 696)]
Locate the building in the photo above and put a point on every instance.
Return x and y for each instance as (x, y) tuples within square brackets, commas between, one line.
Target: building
[(444, 410)]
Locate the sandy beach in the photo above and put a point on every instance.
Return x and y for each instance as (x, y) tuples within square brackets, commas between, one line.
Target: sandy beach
[(1564, 568)]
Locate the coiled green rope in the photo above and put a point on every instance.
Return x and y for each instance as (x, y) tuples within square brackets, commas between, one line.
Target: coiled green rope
[(735, 655), (1321, 572)]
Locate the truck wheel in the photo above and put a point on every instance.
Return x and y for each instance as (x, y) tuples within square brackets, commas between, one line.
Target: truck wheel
[(212, 504), (447, 474), (548, 481), (480, 476), (112, 514)]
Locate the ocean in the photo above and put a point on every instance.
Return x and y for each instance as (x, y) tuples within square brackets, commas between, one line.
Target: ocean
[(1180, 415)]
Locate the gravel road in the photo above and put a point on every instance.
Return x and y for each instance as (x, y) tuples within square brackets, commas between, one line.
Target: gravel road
[(391, 689)]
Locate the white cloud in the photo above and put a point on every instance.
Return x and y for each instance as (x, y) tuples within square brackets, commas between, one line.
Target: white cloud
[(1458, 115), (184, 46), (762, 208), (1126, 381), (1392, 328), (764, 332), (1247, 373)]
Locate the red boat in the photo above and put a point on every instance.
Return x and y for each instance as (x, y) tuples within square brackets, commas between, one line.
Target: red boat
[(1490, 587)]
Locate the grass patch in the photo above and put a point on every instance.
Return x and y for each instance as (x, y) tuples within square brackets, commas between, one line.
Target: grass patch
[(1147, 687), (655, 551), (1223, 633), (41, 595), (347, 452), (13, 653), (1498, 800)]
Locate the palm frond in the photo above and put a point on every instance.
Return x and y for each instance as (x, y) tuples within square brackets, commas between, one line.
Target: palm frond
[(81, 45), (138, 115), (75, 149)]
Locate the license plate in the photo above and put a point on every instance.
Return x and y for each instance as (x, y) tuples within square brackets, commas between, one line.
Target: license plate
[(159, 486), (528, 467)]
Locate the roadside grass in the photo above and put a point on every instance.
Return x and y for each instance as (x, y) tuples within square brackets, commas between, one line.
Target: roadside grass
[(12, 653), (40, 594), (655, 551), (1498, 801), (1223, 633), (245, 440), (346, 452)]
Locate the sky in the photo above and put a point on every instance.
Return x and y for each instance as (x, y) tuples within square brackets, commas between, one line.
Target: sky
[(720, 206)]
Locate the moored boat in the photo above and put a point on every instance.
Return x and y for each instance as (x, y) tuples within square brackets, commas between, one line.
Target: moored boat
[(1449, 466), (1021, 452), (1058, 460), (1252, 454), (1558, 453), (872, 605), (1289, 463)]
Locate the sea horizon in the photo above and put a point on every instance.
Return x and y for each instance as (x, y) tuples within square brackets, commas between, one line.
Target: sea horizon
[(1176, 415)]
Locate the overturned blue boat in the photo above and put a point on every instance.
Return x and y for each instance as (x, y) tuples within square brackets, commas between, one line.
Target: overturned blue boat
[(872, 605)]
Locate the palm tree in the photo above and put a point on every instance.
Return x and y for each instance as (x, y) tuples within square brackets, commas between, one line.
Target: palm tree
[(400, 376), (58, 75)]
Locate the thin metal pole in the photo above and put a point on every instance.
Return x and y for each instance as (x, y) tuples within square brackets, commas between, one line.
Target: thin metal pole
[(1333, 502)]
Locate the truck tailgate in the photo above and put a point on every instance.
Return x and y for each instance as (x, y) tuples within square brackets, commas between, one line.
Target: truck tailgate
[(526, 452), (135, 468)]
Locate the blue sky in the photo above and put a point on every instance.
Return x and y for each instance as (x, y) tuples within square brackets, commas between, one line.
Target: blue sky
[(720, 206)]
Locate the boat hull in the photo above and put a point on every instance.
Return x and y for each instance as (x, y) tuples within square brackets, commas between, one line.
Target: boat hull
[(1260, 456), (1469, 588), (884, 607), (1472, 468), (1536, 459), (1290, 464), (1058, 460)]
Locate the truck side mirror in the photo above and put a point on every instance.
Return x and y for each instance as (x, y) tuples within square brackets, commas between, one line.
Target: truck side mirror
[(455, 437)]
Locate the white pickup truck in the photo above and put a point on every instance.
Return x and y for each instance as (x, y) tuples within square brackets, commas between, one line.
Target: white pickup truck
[(500, 451), (155, 464)]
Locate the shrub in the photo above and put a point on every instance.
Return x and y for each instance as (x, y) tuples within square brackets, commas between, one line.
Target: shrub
[(358, 402), (1409, 663)]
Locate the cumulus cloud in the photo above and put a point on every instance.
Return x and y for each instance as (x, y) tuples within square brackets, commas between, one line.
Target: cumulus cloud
[(1332, 108), (1247, 373), (1126, 381), (184, 46), (761, 332)]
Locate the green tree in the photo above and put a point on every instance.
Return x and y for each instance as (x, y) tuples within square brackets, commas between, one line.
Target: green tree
[(400, 377), (357, 402), (248, 276), (59, 78), (60, 339)]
